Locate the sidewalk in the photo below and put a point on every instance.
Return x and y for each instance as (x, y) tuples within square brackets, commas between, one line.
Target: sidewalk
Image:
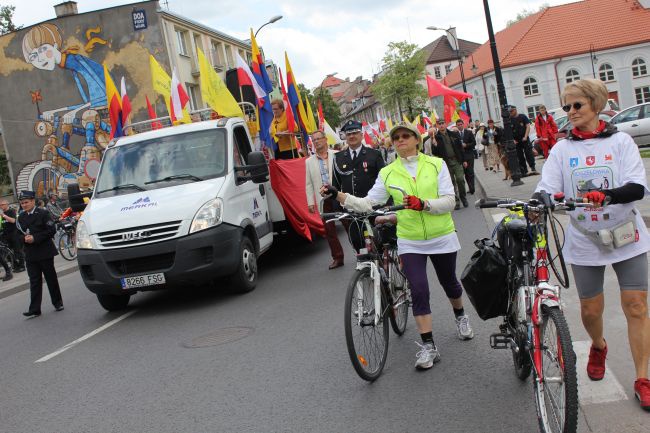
[(20, 281)]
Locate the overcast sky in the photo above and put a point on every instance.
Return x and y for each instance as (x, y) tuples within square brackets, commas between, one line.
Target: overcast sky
[(321, 37)]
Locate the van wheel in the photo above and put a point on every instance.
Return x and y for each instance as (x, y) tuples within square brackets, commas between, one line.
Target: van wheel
[(245, 277), (114, 302)]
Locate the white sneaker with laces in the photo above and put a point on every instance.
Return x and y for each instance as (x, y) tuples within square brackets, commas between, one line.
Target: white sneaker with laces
[(464, 330), (427, 356)]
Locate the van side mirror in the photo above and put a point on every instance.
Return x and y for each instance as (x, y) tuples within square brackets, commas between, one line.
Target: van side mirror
[(257, 168), (76, 198)]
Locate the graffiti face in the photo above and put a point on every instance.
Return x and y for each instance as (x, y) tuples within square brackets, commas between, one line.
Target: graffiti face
[(45, 57)]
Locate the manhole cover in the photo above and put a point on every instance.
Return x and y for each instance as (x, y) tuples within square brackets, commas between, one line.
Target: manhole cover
[(220, 336)]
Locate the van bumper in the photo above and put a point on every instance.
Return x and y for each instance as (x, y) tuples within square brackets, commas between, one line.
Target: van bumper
[(189, 260)]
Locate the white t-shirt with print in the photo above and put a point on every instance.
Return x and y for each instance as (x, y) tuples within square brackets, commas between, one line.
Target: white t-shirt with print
[(576, 167)]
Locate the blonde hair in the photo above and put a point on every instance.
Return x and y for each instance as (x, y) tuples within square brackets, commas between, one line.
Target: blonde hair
[(594, 90), (278, 102), (41, 34)]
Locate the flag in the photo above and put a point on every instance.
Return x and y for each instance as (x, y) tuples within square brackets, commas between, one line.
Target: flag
[(291, 122), (264, 104), (406, 119), (162, 84), (310, 117), (246, 78), (382, 125), (178, 99), (126, 104), (426, 119), (114, 105), (295, 100), (390, 124), (152, 114), (365, 128), (416, 121), (214, 90), (321, 117), (436, 88), (332, 138), (434, 116)]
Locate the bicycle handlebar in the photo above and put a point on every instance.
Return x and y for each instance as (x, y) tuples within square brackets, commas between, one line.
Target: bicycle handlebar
[(377, 212), (532, 204)]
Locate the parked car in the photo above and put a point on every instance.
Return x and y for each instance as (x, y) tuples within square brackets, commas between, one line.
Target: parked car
[(636, 122), (564, 125)]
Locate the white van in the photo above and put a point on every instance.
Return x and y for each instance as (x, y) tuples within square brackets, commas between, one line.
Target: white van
[(177, 206)]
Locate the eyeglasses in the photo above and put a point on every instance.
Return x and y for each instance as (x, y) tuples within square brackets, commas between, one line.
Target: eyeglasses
[(404, 136), (576, 105)]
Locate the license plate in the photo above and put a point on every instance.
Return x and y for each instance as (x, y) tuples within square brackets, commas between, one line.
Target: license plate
[(142, 280)]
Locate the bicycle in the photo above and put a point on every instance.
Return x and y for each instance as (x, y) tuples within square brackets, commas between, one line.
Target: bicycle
[(534, 327), (7, 254), (377, 292), (66, 235)]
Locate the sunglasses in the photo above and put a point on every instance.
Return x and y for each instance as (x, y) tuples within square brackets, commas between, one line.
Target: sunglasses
[(576, 105), (404, 136)]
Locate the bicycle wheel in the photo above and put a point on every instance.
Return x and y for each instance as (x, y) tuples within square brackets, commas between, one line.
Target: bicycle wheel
[(367, 342), (556, 395), (400, 296), (67, 247)]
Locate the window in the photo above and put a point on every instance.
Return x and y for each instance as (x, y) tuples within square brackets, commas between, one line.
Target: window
[(447, 69), (628, 115), (229, 61), (533, 111), (192, 93), (606, 72), (217, 53), (530, 87), (198, 44), (639, 68), (572, 75), (181, 36), (242, 54), (642, 94), (436, 71)]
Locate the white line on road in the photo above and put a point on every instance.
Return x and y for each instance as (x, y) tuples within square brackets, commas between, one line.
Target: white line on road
[(85, 337), (607, 390)]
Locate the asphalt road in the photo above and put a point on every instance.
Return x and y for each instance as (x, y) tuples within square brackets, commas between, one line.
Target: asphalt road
[(290, 374)]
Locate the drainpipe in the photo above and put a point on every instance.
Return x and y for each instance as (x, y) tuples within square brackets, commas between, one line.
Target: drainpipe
[(557, 80)]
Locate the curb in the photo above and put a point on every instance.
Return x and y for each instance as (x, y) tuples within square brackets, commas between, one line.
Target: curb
[(24, 286)]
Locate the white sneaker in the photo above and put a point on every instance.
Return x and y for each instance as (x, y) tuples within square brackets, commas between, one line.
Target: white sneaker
[(464, 330), (427, 356)]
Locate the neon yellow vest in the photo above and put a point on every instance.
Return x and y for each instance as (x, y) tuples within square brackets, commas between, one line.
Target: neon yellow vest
[(414, 225)]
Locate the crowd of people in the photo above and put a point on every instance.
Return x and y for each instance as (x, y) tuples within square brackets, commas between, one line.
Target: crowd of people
[(434, 172)]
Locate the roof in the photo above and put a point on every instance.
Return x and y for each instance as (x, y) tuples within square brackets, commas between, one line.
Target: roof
[(331, 81), (441, 50), (563, 31)]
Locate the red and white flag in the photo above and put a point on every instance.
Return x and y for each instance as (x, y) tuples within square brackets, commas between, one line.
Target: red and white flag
[(179, 98), (126, 104), (246, 78), (321, 117), (426, 119)]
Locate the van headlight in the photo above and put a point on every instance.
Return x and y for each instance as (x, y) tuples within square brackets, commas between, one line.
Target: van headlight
[(83, 237), (208, 216)]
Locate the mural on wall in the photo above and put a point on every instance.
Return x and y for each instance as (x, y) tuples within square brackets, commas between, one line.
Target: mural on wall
[(86, 116)]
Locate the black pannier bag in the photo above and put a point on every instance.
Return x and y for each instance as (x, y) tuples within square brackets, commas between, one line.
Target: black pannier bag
[(484, 280), (385, 233)]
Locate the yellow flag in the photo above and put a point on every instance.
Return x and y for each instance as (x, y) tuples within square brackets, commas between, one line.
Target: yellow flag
[(433, 116), (162, 84), (455, 117), (310, 116), (332, 138), (416, 121), (214, 90), (406, 119), (390, 123)]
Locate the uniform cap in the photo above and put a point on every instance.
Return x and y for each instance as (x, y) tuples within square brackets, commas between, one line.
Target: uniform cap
[(351, 126), (27, 195)]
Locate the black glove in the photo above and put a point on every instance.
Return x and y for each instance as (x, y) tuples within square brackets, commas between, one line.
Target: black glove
[(331, 191)]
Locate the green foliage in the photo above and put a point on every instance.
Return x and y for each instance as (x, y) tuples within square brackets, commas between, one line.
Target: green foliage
[(6, 20), (526, 13), (397, 88), (331, 110)]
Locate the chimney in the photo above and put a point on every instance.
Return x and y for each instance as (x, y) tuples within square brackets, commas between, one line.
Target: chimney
[(452, 38), (66, 8)]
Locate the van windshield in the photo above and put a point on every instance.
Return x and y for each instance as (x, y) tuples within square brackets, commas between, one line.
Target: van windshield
[(162, 162)]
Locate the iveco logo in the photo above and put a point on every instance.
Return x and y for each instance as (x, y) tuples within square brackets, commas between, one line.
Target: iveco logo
[(132, 236)]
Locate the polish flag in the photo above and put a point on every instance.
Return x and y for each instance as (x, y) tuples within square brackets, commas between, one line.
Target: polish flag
[(382, 125), (152, 114), (366, 133), (321, 117), (179, 98), (126, 104), (246, 78), (426, 119)]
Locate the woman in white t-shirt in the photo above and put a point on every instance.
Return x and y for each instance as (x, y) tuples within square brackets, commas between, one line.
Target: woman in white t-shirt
[(596, 163)]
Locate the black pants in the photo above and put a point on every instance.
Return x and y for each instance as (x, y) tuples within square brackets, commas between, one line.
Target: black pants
[(36, 271), (469, 175), (525, 154)]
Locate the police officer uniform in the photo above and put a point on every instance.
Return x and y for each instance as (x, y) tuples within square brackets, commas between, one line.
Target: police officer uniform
[(39, 255)]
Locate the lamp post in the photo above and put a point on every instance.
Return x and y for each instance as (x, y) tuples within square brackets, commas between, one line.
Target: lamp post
[(460, 61), (271, 21), (593, 58), (509, 143)]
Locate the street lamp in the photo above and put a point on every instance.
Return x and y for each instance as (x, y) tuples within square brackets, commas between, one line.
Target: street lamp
[(509, 143), (271, 21), (460, 61), (593, 58)]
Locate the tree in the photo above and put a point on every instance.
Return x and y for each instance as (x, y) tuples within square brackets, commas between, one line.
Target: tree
[(331, 110), (526, 13), (6, 20), (397, 87)]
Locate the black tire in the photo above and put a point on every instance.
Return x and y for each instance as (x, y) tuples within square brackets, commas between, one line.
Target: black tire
[(367, 343), (8, 257), (113, 302), (67, 247), (521, 358), (556, 400), (400, 296), (245, 277)]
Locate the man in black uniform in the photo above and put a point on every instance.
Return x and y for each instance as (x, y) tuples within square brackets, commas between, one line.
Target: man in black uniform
[(446, 145), (520, 131), (356, 168), (37, 230), (468, 142), (10, 235)]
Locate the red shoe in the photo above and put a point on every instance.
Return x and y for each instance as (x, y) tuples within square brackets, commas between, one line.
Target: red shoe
[(596, 364), (642, 392)]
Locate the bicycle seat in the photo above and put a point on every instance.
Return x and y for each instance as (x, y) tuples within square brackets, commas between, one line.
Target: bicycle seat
[(383, 219), (515, 226)]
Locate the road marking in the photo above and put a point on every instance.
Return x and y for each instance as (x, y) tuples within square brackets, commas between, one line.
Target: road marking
[(85, 337), (590, 392)]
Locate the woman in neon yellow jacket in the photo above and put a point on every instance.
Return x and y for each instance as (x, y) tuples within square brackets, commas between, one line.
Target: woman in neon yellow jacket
[(425, 229)]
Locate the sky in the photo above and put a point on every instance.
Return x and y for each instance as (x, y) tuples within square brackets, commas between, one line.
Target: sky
[(346, 37)]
